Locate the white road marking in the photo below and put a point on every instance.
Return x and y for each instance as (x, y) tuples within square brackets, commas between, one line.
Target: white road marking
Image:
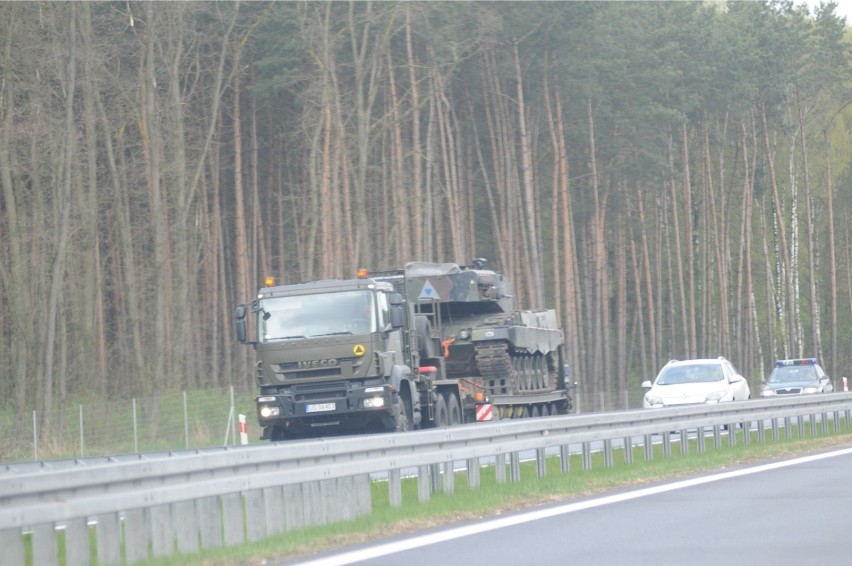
[(355, 556)]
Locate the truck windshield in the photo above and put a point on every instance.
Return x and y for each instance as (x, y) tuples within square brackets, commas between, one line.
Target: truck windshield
[(325, 314)]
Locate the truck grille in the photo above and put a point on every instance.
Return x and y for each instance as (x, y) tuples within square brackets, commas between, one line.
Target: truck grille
[(345, 368), (292, 371), (318, 391)]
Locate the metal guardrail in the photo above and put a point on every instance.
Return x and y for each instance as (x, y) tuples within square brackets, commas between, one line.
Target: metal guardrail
[(190, 500)]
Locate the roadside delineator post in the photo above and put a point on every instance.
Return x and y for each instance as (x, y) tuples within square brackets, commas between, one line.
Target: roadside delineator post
[(244, 429), (845, 384)]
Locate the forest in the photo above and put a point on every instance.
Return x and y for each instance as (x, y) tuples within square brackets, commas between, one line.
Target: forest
[(674, 178)]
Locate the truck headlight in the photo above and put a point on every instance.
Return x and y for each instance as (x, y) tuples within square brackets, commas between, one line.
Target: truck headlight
[(768, 393), (267, 411), (374, 402)]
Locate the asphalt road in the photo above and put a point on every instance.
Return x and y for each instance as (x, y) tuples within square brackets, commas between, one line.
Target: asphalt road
[(796, 511)]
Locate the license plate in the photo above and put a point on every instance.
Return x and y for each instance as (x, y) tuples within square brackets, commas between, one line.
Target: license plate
[(320, 407)]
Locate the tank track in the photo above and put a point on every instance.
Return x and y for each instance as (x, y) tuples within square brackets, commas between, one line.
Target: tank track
[(508, 373)]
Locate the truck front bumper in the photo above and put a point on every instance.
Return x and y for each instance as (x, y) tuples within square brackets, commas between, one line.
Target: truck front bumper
[(287, 410)]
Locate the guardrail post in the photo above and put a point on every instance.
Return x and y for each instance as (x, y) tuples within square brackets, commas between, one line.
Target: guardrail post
[(649, 448), (746, 432), (607, 451), (232, 517), (108, 532), (824, 417), (684, 441), (565, 458), (44, 545), (449, 478), (717, 436), (587, 455), (473, 479), (667, 444), (12, 543), (362, 502), (136, 538), (699, 440), (256, 513), (77, 543), (800, 421), (628, 450), (775, 433), (836, 421), (395, 487), (186, 526), (515, 467), (732, 434), (273, 502), (294, 507), (424, 490), (541, 462), (162, 531), (500, 468), (435, 475), (209, 525), (312, 494)]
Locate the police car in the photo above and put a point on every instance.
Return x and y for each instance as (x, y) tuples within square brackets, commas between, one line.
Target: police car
[(797, 377)]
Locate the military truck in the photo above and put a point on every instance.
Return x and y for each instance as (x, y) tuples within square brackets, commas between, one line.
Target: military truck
[(431, 345)]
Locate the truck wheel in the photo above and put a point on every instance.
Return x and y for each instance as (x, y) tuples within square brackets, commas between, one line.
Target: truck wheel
[(441, 417), (425, 343), (403, 422), (453, 409)]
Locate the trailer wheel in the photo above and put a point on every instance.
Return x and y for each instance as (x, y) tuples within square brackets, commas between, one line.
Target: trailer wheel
[(453, 409)]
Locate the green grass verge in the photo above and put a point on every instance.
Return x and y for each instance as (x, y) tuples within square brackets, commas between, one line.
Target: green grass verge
[(492, 499)]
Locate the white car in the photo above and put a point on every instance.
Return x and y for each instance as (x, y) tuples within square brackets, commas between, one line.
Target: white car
[(694, 382)]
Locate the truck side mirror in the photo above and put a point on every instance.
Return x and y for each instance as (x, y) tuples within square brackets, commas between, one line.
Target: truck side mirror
[(397, 316), (240, 323)]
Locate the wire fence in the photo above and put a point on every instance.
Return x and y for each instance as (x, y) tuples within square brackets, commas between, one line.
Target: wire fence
[(193, 419), (172, 421)]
